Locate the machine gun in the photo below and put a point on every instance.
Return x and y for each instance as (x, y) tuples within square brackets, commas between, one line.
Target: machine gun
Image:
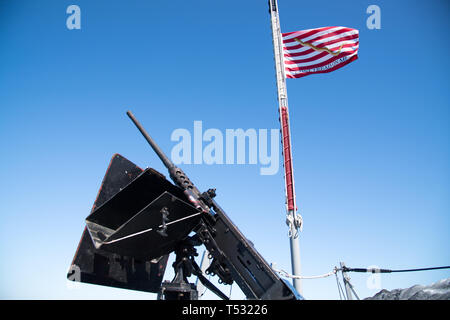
[(149, 217)]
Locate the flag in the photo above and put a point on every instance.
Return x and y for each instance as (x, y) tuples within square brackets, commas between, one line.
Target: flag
[(319, 50)]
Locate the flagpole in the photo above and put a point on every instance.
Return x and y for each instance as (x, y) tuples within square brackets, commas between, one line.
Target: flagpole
[(292, 219)]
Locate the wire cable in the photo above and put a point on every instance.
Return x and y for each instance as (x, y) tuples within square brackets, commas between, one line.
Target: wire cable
[(340, 290), (378, 270), (150, 229)]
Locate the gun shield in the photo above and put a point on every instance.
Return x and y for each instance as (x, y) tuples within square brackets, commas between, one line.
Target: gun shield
[(141, 220)]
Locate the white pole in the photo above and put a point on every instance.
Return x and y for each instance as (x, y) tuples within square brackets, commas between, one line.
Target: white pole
[(293, 220)]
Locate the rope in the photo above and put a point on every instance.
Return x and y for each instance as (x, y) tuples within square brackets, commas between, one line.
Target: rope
[(288, 275), (150, 229)]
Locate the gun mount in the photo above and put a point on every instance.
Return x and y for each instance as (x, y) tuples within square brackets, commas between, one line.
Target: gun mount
[(147, 218)]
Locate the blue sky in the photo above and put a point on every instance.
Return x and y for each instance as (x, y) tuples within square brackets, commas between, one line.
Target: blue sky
[(370, 141)]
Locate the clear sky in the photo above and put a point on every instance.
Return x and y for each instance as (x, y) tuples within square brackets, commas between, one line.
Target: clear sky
[(370, 141)]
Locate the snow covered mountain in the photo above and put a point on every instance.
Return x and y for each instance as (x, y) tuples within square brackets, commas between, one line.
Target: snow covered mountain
[(437, 291)]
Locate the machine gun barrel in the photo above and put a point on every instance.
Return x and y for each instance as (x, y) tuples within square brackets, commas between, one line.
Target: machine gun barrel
[(234, 257), (169, 164), (176, 174)]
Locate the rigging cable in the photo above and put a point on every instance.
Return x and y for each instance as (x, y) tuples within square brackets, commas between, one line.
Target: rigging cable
[(378, 270), (340, 290)]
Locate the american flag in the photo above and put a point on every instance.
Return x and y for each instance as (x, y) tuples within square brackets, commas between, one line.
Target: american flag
[(319, 50)]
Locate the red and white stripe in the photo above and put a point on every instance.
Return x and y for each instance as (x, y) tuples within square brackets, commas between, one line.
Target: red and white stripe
[(301, 60)]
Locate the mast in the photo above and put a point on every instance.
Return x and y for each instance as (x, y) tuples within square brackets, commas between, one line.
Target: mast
[(292, 219)]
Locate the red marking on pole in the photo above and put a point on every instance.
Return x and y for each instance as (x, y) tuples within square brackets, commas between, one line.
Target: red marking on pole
[(289, 177)]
